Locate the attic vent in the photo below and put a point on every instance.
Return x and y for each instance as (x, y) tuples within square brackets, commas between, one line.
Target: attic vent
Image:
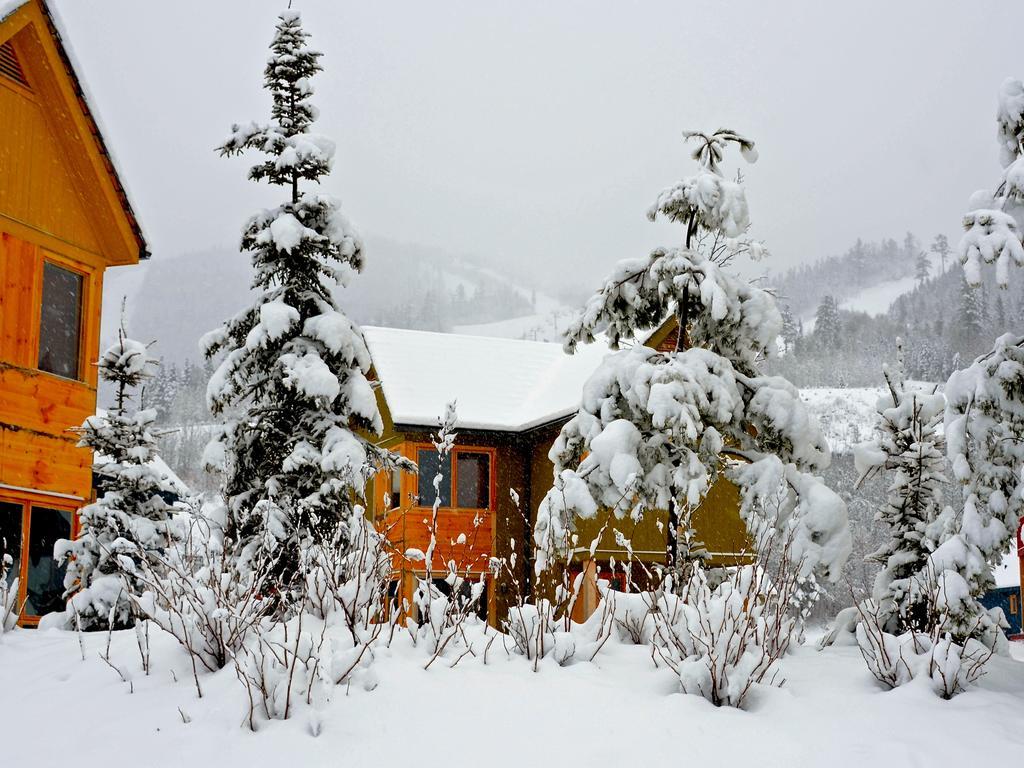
[(10, 67)]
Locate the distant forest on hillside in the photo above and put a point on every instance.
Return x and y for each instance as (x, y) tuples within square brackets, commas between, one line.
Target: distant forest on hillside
[(941, 322)]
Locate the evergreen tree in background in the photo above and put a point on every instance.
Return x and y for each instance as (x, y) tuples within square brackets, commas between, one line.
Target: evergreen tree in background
[(131, 514), (827, 326), (969, 317), (293, 363), (910, 449), (922, 268), (940, 247)]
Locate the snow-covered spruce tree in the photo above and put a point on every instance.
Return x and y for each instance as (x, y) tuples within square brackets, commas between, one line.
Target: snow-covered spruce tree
[(909, 447), (984, 418), (940, 247), (993, 226), (655, 429), (984, 427), (293, 366), (131, 515), (922, 268)]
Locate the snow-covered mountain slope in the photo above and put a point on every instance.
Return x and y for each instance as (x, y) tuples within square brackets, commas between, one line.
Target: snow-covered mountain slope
[(876, 299), (174, 300)]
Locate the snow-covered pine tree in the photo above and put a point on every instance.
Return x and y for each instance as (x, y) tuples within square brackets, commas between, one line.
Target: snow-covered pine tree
[(922, 268), (294, 366), (655, 428), (790, 332), (993, 226), (827, 326), (984, 419), (910, 448), (940, 247), (984, 428), (131, 514), (969, 320)]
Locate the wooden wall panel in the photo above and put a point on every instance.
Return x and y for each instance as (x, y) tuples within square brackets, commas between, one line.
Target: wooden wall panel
[(43, 403), (411, 530), (35, 187), (44, 463), (19, 300)]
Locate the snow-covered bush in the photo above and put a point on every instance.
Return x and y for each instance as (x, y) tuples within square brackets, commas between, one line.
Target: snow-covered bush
[(346, 578), (327, 633), (293, 367), (722, 639), (285, 666), (9, 608), (930, 652), (202, 593), (131, 516), (445, 600)]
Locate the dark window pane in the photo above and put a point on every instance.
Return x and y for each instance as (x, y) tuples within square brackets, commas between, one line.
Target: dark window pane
[(427, 461), (473, 479), (60, 321), (45, 582), (396, 490), (10, 537)]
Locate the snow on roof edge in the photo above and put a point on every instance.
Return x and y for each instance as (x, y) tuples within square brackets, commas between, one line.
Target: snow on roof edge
[(9, 7), (498, 384)]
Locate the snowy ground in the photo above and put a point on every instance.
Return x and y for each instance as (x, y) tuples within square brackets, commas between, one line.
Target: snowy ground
[(56, 708)]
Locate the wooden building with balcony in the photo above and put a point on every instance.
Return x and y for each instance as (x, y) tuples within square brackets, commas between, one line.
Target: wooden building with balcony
[(64, 218)]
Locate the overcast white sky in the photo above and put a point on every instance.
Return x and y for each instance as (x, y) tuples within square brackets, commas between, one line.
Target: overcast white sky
[(539, 132)]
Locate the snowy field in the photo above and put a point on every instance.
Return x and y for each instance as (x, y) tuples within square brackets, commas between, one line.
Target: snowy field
[(619, 710)]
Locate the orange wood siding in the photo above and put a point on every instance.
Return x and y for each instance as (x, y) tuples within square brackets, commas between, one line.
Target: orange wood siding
[(408, 526), (63, 184), (35, 186), (19, 302), (37, 409), (43, 403), (44, 463), (411, 530)]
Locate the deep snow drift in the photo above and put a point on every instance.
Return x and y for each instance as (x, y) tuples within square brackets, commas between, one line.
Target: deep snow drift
[(616, 710)]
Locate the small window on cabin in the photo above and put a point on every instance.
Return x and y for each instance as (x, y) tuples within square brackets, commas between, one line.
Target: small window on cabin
[(45, 579), (10, 538), (473, 480), (427, 460), (60, 324), (1013, 604), (395, 494)]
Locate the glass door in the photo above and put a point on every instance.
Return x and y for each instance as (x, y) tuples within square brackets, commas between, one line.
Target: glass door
[(44, 578), (10, 537)]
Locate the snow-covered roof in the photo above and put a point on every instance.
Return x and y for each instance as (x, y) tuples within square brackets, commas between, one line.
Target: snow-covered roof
[(501, 384), (1007, 573), (59, 34)]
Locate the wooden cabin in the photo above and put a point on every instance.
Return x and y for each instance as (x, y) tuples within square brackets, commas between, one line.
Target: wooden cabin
[(512, 398), (64, 218)]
